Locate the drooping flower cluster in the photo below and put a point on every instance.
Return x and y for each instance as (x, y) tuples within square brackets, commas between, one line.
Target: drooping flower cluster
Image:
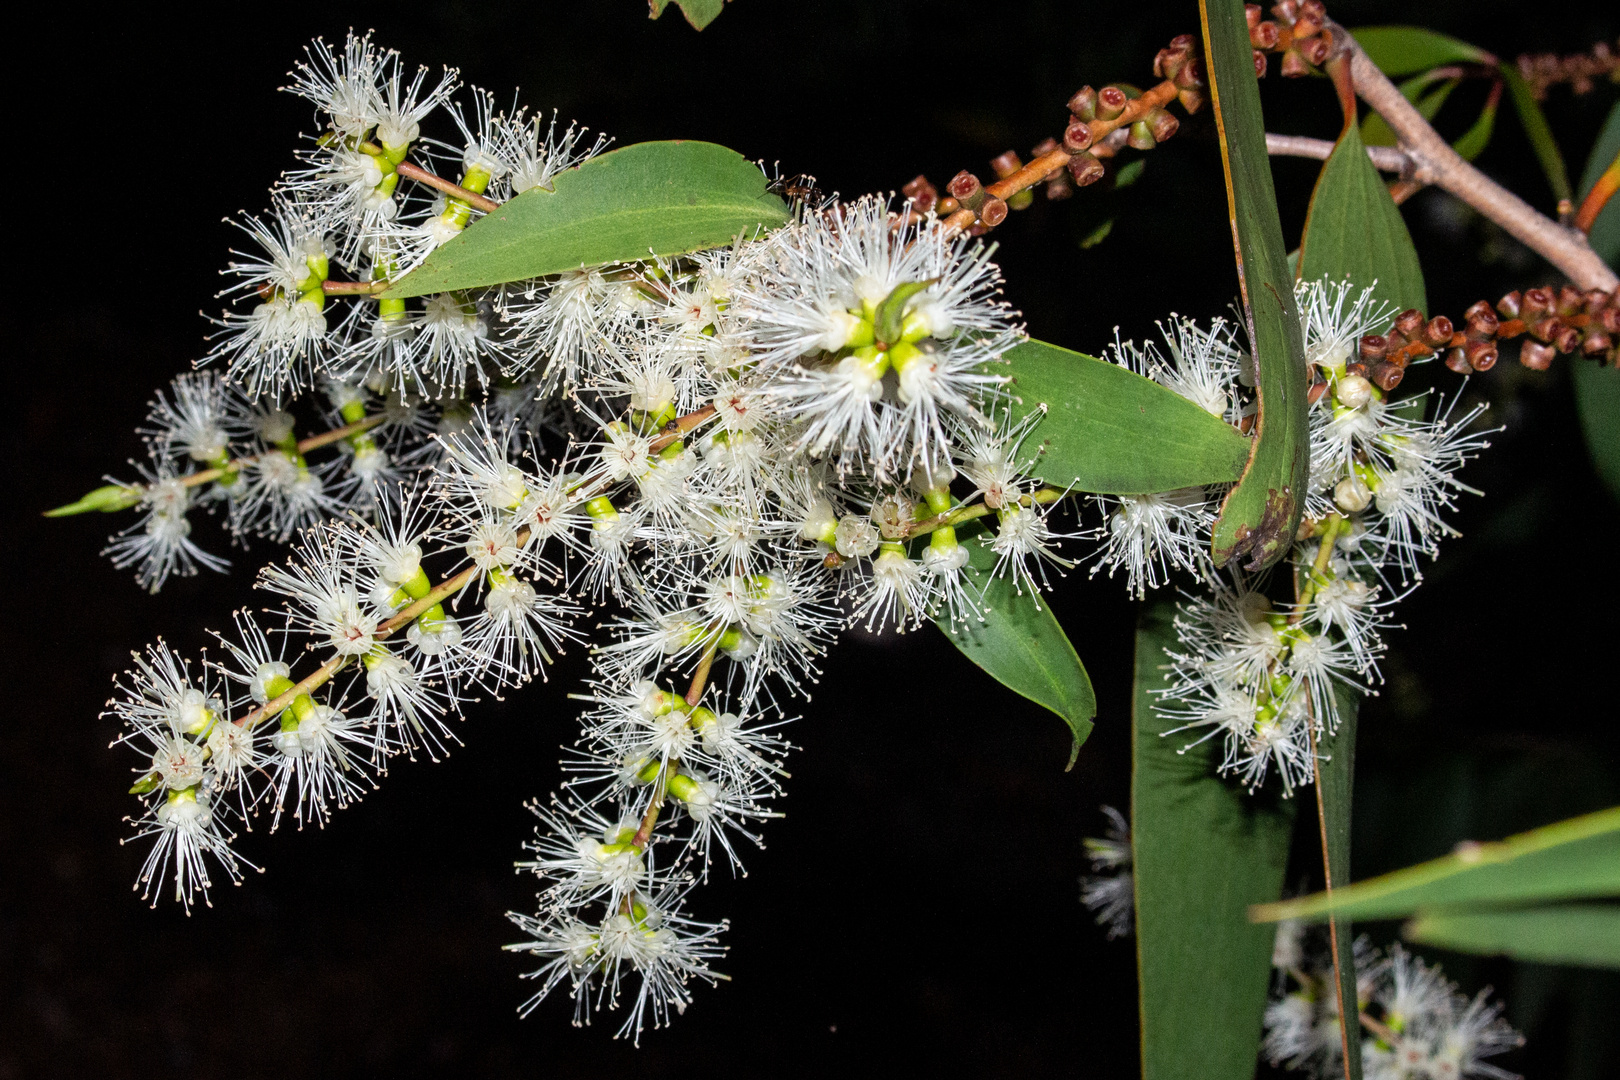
[(1261, 671), (731, 455), (1416, 1024)]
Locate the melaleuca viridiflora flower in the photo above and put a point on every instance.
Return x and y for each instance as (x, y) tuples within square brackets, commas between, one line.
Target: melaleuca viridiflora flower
[(701, 468)]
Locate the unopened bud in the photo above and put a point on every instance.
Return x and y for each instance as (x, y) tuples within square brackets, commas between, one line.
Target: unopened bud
[(1077, 137), (1004, 165), (1260, 63), (1596, 342), (1192, 100), (1571, 301), (1457, 361), (1251, 14), (1593, 300), (1294, 65), (1409, 323), (1373, 347), (1084, 103), (1351, 495), (1353, 391), (1264, 35), (1141, 137), (1086, 169), (1191, 75), (1536, 356), (1609, 319), (1314, 392), (1161, 125), (1387, 376), (1567, 340), (1508, 306)]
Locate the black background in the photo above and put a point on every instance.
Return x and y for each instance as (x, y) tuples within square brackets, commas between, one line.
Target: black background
[(918, 908)]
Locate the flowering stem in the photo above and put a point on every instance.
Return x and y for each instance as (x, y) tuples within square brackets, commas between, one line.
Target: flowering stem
[(314, 442), (1593, 204), (700, 679), (422, 176), (1381, 1030), (403, 617), (680, 426), (978, 510)]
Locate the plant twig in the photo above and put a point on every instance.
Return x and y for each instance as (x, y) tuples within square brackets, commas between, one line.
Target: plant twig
[(1384, 158), (422, 176)]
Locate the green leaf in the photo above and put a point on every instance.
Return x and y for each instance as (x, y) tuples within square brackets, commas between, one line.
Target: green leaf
[(1570, 860), (1597, 402), (1597, 389), (1097, 235), (1335, 780), (1402, 50), (699, 13), (1108, 429), (1472, 142), (1585, 935), (1540, 135), (1021, 644), (1354, 230), (1130, 172), (1375, 130), (653, 198), (1203, 851), (1261, 515)]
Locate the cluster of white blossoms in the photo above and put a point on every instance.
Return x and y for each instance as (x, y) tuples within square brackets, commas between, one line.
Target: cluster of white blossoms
[(1416, 1025), (729, 456), (1260, 671)]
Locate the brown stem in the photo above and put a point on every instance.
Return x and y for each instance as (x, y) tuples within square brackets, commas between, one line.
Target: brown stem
[(354, 288), (454, 190), (1384, 158), (1438, 164), (680, 426)]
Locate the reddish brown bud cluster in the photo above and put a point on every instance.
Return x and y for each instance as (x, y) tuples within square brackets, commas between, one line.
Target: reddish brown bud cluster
[(1582, 71), (1297, 32), (1101, 123), (1562, 321)]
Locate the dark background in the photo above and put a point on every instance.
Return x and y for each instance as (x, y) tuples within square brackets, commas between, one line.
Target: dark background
[(918, 908)]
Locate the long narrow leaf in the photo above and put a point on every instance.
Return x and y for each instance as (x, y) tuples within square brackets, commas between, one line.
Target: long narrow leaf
[(1203, 850), (1597, 389), (1402, 50), (1585, 935), (1540, 135), (1571, 860), (1261, 515)]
